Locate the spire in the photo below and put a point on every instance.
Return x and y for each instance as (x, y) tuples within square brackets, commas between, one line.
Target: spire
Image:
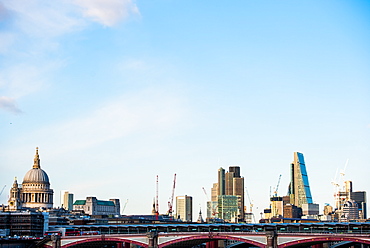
[(200, 218), (36, 160), (15, 183), (154, 211)]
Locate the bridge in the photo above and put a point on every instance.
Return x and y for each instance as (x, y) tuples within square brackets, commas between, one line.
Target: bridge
[(274, 235)]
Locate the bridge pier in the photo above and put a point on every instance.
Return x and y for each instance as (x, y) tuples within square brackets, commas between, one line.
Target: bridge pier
[(55, 239), (271, 237), (153, 240)]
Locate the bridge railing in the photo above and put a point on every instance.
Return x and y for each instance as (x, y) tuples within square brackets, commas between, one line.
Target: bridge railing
[(358, 228)]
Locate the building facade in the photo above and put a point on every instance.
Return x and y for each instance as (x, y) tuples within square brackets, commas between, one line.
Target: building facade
[(228, 208), (66, 200), (25, 223), (93, 206), (299, 188), (233, 185), (184, 208), (34, 192)]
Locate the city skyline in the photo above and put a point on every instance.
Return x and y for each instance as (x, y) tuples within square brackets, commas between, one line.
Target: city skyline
[(117, 92), (227, 195)]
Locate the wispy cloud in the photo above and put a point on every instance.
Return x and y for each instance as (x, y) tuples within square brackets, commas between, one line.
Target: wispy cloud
[(9, 104), (54, 18), (149, 111), (107, 12), (31, 31)]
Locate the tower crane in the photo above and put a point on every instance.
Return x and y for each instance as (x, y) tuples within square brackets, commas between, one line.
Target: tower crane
[(156, 199), (277, 186), (170, 202), (213, 208), (124, 207), (250, 204), (2, 190)]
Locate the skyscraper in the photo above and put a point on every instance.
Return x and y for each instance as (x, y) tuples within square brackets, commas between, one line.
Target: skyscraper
[(66, 200), (299, 188), (229, 184), (221, 181), (184, 208)]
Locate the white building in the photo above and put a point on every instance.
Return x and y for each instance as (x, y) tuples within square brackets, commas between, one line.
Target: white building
[(66, 200), (184, 208)]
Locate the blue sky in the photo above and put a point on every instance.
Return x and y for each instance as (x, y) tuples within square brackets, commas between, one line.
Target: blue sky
[(115, 92)]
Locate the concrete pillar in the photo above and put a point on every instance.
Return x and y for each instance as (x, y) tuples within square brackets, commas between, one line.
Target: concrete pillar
[(153, 239), (55, 241), (271, 237)]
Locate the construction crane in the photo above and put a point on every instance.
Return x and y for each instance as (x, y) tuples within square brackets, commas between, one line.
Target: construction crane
[(277, 187), (250, 204), (124, 207), (170, 202), (156, 199), (213, 208), (2, 190)]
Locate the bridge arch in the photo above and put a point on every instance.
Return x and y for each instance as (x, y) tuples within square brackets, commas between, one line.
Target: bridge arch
[(210, 238), (320, 240), (104, 239)]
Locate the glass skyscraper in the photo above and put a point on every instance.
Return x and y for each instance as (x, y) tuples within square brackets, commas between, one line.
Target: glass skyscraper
[(299, 188)]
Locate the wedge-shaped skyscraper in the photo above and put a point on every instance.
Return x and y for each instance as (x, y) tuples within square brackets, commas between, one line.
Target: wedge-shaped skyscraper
[(299, 188)]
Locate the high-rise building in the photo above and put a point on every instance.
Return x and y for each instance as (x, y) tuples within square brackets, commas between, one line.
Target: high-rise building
[(360, 198), (229, 184), (299, 188), (235, 170), (228, 208), (347, 201), (221, 181), (184, 208), (66, 200)]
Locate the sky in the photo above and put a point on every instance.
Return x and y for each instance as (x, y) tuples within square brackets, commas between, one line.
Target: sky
[(116, 92)]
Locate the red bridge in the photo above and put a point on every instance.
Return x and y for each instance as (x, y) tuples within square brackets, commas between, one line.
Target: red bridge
[(271, 236)]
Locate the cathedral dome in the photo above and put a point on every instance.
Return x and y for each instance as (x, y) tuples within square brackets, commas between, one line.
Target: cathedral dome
[(36, 175)]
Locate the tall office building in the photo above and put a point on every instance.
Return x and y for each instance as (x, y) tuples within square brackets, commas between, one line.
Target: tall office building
[(184, 208), (229, 184), (299, 188), (221, 181), (66, 200), (346, 195), (235, 170), (228, 208), (360, 198)]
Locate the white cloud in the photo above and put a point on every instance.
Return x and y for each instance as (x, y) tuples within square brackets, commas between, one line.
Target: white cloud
[(6, 39), (107, 12), (23, 79), (146, 112), (43, 18), (9, 104), (54, 18)]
